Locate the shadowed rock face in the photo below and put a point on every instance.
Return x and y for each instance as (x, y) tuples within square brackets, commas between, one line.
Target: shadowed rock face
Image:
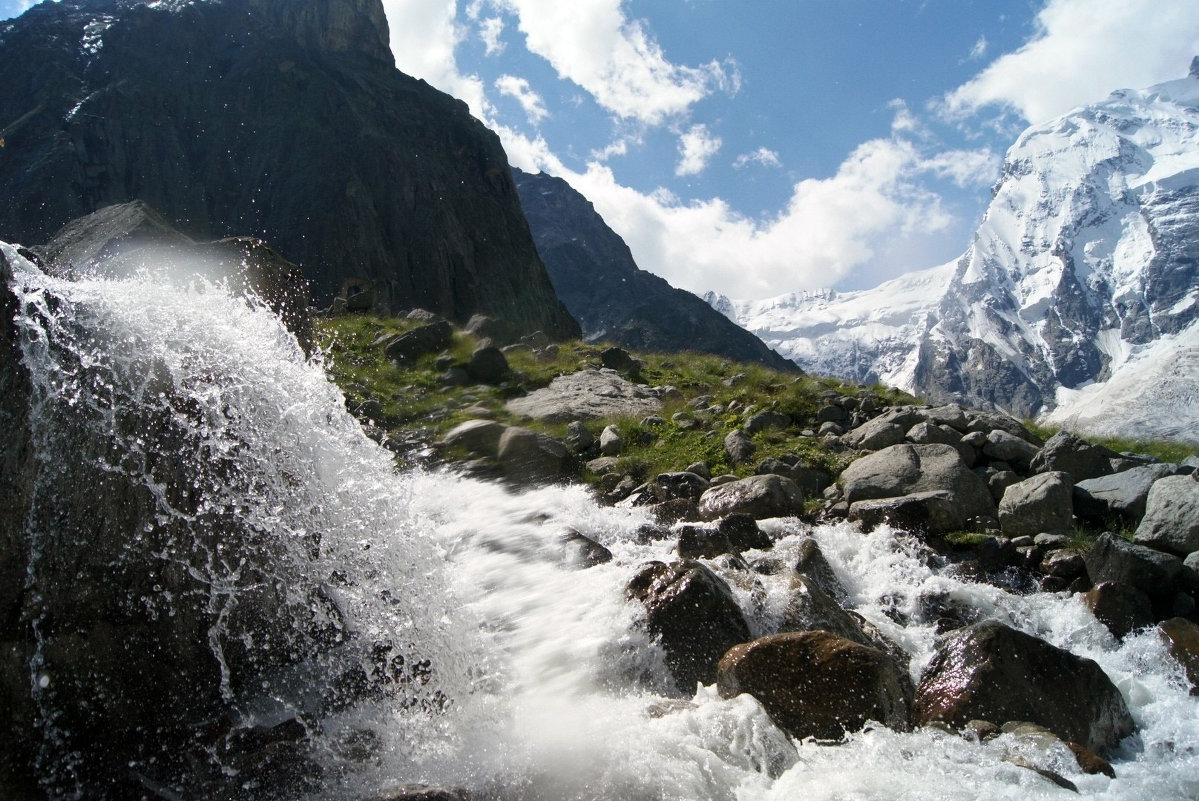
[(282, 120), (614, 300)]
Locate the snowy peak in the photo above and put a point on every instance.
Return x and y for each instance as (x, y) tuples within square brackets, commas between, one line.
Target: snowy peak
[(1085, 267)]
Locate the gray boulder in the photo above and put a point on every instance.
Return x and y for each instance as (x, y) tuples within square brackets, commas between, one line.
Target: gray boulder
[(1041, 503), (1004, 447), (611, 443), (739, 447), (480, 437), (875, 435), (420, 341), (1123, 493), (530, 457), (587, 395), (1171, 521), (1114, 559), (934, 512), (907, 469), (764, 421), (1074, 455), (757, 496), (487, 365)]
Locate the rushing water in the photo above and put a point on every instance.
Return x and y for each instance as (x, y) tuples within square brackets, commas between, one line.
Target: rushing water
[(546, 685)]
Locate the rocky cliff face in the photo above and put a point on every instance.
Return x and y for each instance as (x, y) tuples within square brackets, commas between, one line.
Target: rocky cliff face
[(282, 120), (1078, 298), (614, 300)]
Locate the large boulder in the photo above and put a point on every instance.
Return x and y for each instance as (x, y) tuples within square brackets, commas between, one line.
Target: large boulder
[(1111, 558), (933, 512), (1072, 454), (989, 671), (1037, 504), (693, 615), (1182, 638), (420, 341), (816, 684), (758, 496), (587, 395), (1171, 521), (1123, 494), (907, 469), (530, 457)]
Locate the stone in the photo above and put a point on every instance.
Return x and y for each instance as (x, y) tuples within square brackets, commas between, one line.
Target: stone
[(701, 542), (1182, 638), (1063, 563), (618, 359), (584, 551), (530, 457), (812, 564), (926, 433), (693, 615), (875, 435), (1120, 607), (481, 437), (739, 447), (587, 395), (933, 512), (701, 469), (810, 608), (905, 469), (1072, 454), (758, 496), (578, 438), (1004, 447), (766, 421), (950, 415), (1123, 494), (743, 532), (420, 341), (1041, 503), (610, 441), (993, 672), (487, 365), (1171, 521), (816, 684), (679, 485), (1111, 558)]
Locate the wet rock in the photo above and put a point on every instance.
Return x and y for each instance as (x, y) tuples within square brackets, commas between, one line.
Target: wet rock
[(991, 671), (1121, 607), (743, 532), (816, 684), (809, 608), (530, 457), (1041, 503), (1182, 638), (757, 496), (700, 542), (812, 565), (424, 792), (1171, 521), (692, 613), (480, 437), (922, 512), (585, 551)]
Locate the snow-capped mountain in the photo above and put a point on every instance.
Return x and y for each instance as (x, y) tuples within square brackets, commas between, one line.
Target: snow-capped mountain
[(1077, 300)]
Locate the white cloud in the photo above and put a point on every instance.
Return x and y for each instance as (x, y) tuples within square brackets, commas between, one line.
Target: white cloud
[(1084, 49), (519, 89), (697, 146), (424, 34), (763, 156), (615, 59), (490, 31)]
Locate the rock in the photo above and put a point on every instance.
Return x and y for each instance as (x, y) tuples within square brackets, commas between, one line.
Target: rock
[(739, 447), (699, 542), (1004, 447), (996, 553), (423, 792), (810, 608), (765, 421), (1063, 563), (875, 435), (420, 341), (611, 443), (758, 496), (578, 438), (1120, 607), (530, 457), (998, 481), (1041, 503), (668, 486), (1182, 638), (701, 469), (587, 395), (1114, 559), (743, 533), (585, 551), (692, 613), (932, 512), (950, 415), (812, 565), (985, 422), (815, 684), (994, 672), (1171, 521), (1071, 454), (926, 433), (905, 470), (480, 437), (1123, 493), (618, 359), (487, 365)]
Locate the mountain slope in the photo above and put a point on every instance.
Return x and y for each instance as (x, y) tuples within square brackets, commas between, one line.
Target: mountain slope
[(272, 118), (614, 300), (1083, 273)]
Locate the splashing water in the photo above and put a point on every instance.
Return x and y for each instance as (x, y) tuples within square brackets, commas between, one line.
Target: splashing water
[(545, 685)]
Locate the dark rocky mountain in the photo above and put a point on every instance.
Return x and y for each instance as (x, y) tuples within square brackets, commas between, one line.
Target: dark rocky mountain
[(282, 120), (614, 300)]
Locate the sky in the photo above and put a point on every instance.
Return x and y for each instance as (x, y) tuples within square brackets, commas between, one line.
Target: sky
[(759, 147)]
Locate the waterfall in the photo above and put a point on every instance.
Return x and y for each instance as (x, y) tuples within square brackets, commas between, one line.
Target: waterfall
[(205, 519)]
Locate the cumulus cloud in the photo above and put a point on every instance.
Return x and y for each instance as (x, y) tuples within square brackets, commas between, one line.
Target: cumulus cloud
[(490, 30), (1082, 50), (615, 59), (519, 90), (763, 157), (697, 146)]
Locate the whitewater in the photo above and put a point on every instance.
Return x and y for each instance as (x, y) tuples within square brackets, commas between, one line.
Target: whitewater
[(541, 682)]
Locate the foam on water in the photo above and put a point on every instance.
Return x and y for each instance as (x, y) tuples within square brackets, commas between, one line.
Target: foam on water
[(555, 691)]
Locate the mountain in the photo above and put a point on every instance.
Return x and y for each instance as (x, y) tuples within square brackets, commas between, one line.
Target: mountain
[(594, 274), (272, 118), (1078, 299)]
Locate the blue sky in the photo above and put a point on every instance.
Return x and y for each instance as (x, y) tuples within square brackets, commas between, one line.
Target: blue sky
[(758, 147)]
